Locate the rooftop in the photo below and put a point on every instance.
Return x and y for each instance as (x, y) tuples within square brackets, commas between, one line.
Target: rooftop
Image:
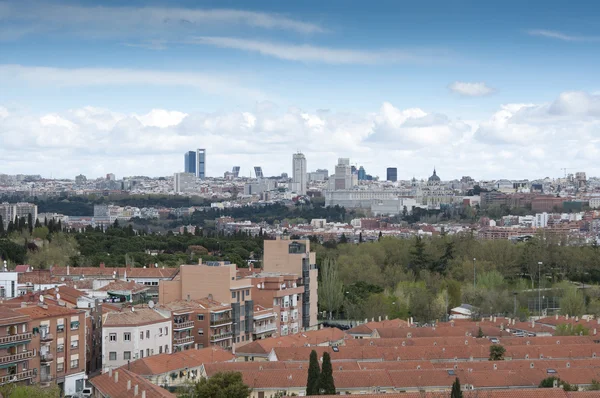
[(133, 317), (163, 363), (114, 385)]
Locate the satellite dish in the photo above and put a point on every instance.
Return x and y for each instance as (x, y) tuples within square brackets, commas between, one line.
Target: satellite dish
[(41, 298), (151, 304), (62, 279), (57, 296)]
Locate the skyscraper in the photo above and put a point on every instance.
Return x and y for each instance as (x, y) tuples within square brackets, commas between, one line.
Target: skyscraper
[(258, 172), (362, 174), (299, 174), (236, 171), (190, 162), (201, 158), (392, 174)]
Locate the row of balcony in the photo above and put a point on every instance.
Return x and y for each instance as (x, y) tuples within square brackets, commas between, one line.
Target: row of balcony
[(15, 338), (46, 358), (183, 325), (183, 340), (221, 336), (28, 374), (265, 328), (16, 357), (220, 322)]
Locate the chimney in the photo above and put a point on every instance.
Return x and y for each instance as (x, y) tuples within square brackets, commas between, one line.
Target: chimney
[(366, 320), (576, 319), (594, 331), (110, 372), (144, 394), (135, 390), (411, 321), (567, 317), (128, 385), (556, 317), (116, 377), (386, 317), (379, 318), (373, 319), (532, 323), (68, 271), (102, 265)]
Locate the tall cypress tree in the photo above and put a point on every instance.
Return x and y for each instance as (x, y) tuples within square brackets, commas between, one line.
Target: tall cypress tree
[(314, 374), (1, 226), (30, 222), (456, 391), (326, 383)]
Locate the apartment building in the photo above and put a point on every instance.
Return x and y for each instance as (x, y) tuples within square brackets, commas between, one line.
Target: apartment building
[(219, 280), (58, 341), (10, 211), (283, 293), (199, 323), (285, 256), (15, 347), (135, 332), (265, 322)]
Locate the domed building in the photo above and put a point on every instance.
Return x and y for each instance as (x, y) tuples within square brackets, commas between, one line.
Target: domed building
[(434, 193)]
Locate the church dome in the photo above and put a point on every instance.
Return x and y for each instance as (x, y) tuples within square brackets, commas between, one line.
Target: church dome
[(434, 177)]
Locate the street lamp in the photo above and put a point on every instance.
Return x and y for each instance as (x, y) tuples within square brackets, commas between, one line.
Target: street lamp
[(474, 279), (540, 286)]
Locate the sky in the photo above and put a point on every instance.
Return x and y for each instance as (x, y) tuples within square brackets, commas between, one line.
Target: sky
[(484, 89)]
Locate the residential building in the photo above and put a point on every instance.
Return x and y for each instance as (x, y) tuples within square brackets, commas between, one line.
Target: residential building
[(10, 211), (190, 162), (135, 332), (8, 283), (184, 182), (15, 347), (265, 322), (299, 182), (199, 323), (125, 384), (282, 292), (286, 256), (59, 338), (218, 280), (392, 174)]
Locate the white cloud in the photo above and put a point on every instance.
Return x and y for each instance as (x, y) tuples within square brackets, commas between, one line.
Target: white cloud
[(309, 53), (40, 17), (553, 34), (67, 77), (471, 89), (516, 141)]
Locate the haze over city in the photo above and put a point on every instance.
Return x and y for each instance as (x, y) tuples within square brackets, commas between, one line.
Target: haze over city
[(483, 90)]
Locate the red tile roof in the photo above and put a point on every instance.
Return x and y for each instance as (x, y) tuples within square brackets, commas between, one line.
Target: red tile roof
[(163, 363), (107, 385)]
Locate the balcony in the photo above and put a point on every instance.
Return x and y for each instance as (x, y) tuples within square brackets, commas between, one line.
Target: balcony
[(183, 325), (220, 322), (46, 337), (222, 336), (15, 338), (21, 356), (46, 358), (183, 340), (46, 379), (28, 374), (265, 328)]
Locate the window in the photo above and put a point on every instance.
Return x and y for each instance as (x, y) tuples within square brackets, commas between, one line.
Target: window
[(141, 335), (147, 352), (166, 349), (112, 356), (201, 332), (60, 348), (166, 331), (74, 325), (232, 295), (160, 349), (127, 355), (74, 344), (160, 331), (141, 353), (60, 328), (127, 336), (243, 338), (74, 363), (147, 334), (247, 292), (112, 337), (201, 317), (60, 367)]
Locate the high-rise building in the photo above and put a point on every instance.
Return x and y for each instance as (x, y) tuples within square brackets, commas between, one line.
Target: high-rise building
[(110, 177), (299, 173), (258, 171), (236, 171), (190, 162), (8, 211), (343, 175), (392, 174), (184, 182), (362, 174), (201, 158)]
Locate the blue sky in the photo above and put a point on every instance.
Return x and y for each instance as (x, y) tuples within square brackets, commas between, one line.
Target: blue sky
[(486, 79)]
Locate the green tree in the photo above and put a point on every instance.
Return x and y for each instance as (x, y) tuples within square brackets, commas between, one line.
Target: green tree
[(326, 383), (343, 239), (220, 385), (480, 333), (331, 289), (16, 391), (314, 375), (456, 391), (419, 260), (30, 222), (497, 352), (572, 301), (1, 226), (549, 383)]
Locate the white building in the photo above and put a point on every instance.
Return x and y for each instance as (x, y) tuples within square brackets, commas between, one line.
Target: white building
[(132, 334), (595, 202), (299, 174), (342, 179), (9, 211), (184, 182), (540, 220), (393, 206), (8, 283)]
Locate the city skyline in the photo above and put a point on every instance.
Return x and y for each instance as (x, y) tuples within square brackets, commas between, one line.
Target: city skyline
[(411, 86)]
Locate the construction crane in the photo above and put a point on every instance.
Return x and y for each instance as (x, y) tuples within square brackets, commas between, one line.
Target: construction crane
[(565, 170)]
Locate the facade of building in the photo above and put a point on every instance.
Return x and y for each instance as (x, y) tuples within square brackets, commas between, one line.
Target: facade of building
[(58, 336), (189, 162), (318, 175), (299, 174), (217, 280), (286, 256), (258, 172), (342, 179), (201, 168), (134, 333), (10, 211), (15, 347), (392, 174), (184, 182), (282, 292)]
